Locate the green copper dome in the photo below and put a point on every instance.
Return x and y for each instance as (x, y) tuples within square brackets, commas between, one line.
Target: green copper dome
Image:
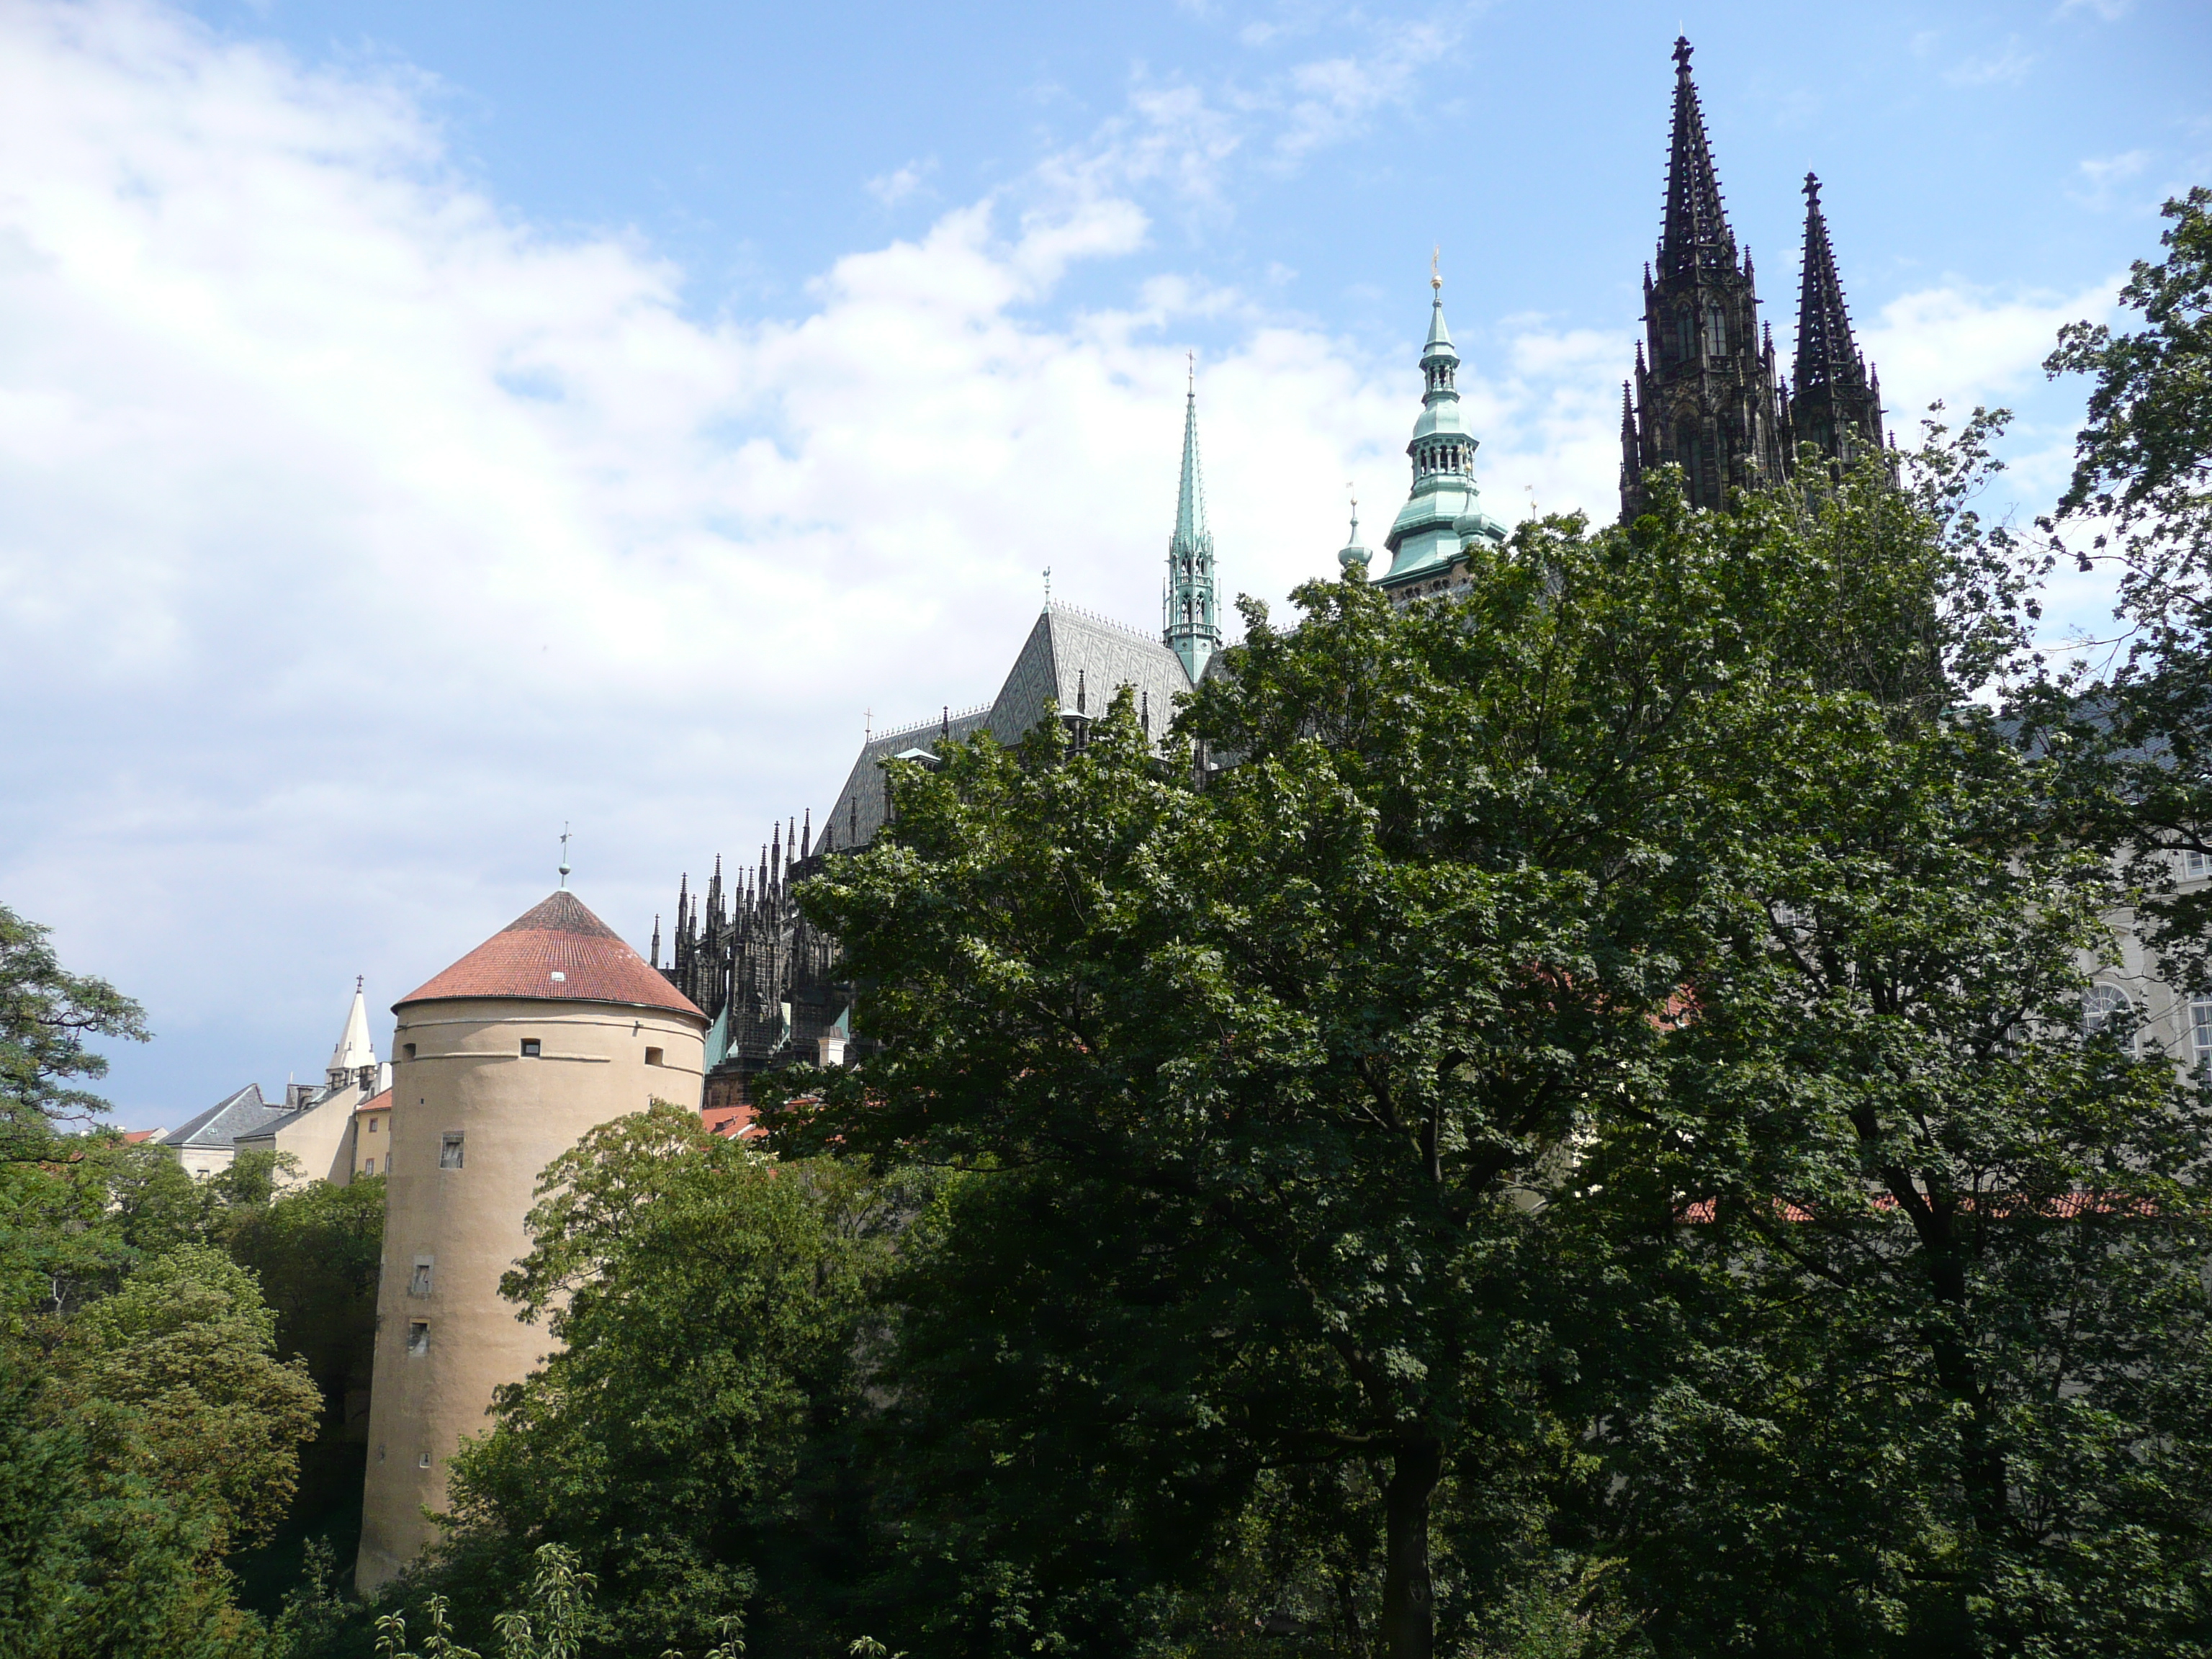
[(1444, 508)]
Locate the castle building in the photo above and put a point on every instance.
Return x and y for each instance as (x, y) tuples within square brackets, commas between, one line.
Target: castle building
[(314, 1123), (742, 949), (1705, 394), (502, 1062)]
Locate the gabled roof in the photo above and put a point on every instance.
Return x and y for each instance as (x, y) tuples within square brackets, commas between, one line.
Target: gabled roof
[(557, 951), (222, 1123), (375, 1103), (1070, 659)]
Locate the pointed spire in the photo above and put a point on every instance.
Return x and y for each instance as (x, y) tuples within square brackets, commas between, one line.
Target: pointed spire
[(1354, 554), (1439, 336), (653, 961), (1187, 621), (354, 1049), (807, 835), (1697, 231), (1825, 354), (1190, 496)]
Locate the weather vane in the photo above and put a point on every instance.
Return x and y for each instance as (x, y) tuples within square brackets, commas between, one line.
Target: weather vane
[(1436, 273), (564, 855)]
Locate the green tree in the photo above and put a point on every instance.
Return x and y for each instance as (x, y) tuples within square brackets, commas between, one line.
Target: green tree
[(187, 1348), (2139, 740), (314, 1250), (687, 1440), (46, 1016), (1338, 1014)]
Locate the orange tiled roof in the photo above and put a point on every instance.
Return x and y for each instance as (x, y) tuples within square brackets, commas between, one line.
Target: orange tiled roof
[(559, 951), (730, 1122), (375, 1103)]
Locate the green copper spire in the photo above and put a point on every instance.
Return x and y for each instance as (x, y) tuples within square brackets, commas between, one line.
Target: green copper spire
[(1188, 625), (1444, 508)]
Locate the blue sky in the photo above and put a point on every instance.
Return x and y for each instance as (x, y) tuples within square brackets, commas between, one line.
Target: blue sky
[(423, 425)]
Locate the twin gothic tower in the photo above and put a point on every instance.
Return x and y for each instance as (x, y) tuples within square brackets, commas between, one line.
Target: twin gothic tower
[(1706, 396)]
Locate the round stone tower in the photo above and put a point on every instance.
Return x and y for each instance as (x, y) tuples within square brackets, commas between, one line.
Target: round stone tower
[(501, 1063)]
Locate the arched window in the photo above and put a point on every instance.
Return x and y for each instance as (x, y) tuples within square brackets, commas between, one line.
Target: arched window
[(1686, 334), (1716, 331), (1691, 455), (2100, 1005)]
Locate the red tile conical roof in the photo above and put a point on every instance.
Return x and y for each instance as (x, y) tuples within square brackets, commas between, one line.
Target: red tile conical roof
[(557, 951)]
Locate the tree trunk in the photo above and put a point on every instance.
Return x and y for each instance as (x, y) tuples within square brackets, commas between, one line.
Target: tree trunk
[(1409, 1613)]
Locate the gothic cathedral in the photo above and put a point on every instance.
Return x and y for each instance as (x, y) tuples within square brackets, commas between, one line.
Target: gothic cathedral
[(1706, 397)]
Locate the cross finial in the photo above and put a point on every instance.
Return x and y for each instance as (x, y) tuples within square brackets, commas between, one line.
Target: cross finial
[(1047, 584), (564, 855), (1813, 189), (1436, 274), (1682, 53), (867, 724), (358, 979), (1190, 373)]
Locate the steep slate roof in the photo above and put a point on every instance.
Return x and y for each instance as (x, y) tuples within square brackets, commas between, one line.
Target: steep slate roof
[(1070, 658), (557, 951), (242, 1114)]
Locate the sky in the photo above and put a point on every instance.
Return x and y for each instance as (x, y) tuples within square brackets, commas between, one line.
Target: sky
[(426, 426)]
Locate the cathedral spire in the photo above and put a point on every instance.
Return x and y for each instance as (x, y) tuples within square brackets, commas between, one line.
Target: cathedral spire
[(1832, 403), (1443, 508), (1825, 356), (1697, 233), (1190, 627), (1704, 397)]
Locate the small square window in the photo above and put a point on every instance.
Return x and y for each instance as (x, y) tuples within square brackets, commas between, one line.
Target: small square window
[(652, 1057), (449, 1152), (418, 1336), (530, 1047), (410, 1051), (369, 1168), (374, 1124), (423, 1461), (420, 1283), (560, 978)]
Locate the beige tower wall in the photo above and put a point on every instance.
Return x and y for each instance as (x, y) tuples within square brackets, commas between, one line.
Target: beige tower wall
[(459, 1069)]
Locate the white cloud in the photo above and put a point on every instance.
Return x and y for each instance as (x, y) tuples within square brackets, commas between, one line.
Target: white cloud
[(1327, 100), (2102, 175), (2109, 11), (2007, 66), (354, 535), (893, 187), (1967, 344)]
